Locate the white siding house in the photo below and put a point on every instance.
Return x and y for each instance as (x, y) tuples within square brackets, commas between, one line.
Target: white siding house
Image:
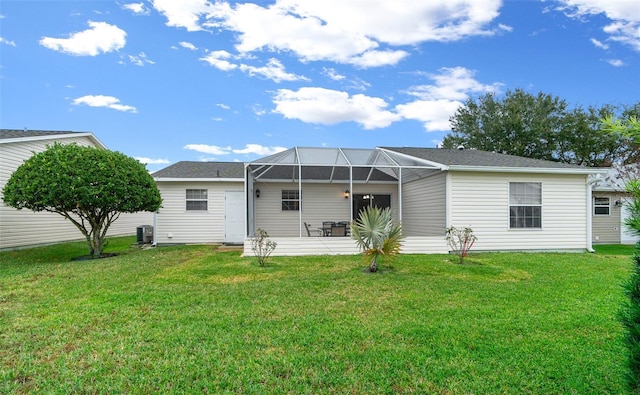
[(202, 202), (609, 211), (511, 203), (24, 228)]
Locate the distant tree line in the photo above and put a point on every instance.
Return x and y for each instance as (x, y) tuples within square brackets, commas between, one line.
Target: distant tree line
[(543, 126)]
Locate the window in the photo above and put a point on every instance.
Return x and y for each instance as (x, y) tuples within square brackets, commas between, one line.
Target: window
[(361, 201), (525, 205), (196, 200), (601, 205), (290, 200)]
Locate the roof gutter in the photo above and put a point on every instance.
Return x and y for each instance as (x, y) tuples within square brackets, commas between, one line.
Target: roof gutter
[(547, 170), (217, 179)]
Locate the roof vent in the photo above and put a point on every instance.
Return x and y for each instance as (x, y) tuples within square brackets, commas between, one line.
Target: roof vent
[(460, 147)]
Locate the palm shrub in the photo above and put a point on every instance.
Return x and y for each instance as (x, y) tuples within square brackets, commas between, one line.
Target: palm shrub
[(376, 235)]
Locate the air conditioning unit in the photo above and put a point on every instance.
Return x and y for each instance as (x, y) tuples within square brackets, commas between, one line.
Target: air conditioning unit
[(144, 234)]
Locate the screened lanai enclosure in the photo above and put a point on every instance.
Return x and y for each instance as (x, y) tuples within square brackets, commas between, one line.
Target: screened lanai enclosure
[(305, 198)]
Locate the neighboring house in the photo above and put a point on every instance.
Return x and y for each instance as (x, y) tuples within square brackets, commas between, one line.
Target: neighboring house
[(511, 203), (610, 211), (25, 228), (202, 202)]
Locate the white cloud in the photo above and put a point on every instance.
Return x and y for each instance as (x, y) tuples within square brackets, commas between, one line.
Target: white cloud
[(223, 106), (329, 107), (599, 44), (136, 8), (218, 59), (7, 42), (438, 102), (183, 13), (452, 83), (104, 101), (616, 62), (274, 70), (434, 114), (505, 28), (101, 37), (140, 60), (360, 33), (333, 74), (150, 161), (259, 150), (625, 17), (188, 45), (208, 149)]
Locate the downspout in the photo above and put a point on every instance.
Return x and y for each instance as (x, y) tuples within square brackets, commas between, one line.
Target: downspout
[(590, 212)]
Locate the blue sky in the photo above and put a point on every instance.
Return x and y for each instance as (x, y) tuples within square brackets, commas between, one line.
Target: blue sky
[(165, 81)]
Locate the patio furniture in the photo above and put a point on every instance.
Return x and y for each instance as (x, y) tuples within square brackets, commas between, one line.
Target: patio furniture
[(338, 230), (316, 231), (347, 226), (327, 226)]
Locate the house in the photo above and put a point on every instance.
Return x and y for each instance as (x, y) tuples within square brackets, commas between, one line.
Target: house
[(511, 203), (202, 202), (25, 228), (609, 211)]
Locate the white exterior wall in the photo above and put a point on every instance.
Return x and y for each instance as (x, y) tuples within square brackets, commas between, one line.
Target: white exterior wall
[(175, 225), (320, 202), (25, 228), (480, 200), (424, 206)]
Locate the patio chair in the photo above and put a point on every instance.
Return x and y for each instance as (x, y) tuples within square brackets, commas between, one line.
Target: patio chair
[(347, 227), (319, 231), (326, 227)]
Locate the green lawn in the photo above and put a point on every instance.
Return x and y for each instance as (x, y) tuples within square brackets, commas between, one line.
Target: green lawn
[(193, 320)]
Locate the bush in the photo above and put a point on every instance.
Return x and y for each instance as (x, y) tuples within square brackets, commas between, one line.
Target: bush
[(261, 246), (631, 321), (460, 240)]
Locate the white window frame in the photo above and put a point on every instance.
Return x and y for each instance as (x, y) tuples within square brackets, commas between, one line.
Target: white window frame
[(597, 205), (197, 195), (290, 197), (528, 200)]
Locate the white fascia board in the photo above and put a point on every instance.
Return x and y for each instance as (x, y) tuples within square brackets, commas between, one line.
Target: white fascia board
[(425, 161), (177, 179), (55, 137), (527, 170)]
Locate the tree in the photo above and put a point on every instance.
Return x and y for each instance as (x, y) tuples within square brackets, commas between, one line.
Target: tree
[(630, 128), (89, 186), (376, 235), (540, 127)]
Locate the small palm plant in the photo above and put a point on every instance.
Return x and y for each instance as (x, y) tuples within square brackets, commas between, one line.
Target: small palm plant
[(376, 235)]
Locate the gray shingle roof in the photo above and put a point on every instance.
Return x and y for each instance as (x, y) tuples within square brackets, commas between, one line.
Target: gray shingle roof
[(21, 133), (476, 158), (189, 169)]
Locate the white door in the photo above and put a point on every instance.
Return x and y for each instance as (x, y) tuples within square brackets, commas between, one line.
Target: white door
[(626, 237), (234, 217)]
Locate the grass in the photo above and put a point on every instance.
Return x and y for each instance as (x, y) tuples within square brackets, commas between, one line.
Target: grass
[(190, 319)]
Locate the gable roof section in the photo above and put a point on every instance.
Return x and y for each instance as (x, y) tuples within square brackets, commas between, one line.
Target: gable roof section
[(476, 160), (20, 135), (201, 171)]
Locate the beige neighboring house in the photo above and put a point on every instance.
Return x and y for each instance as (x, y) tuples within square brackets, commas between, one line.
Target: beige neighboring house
[(610, 212), (25, 228)]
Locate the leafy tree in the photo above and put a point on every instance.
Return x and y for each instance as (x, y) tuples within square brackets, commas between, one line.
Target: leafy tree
[(540, 127), (89, 186), (630, 128), (376, 235)]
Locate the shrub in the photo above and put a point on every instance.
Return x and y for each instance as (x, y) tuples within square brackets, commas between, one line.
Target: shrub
[(631, 321), (376, 235), (460, 240), (261, 246)]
